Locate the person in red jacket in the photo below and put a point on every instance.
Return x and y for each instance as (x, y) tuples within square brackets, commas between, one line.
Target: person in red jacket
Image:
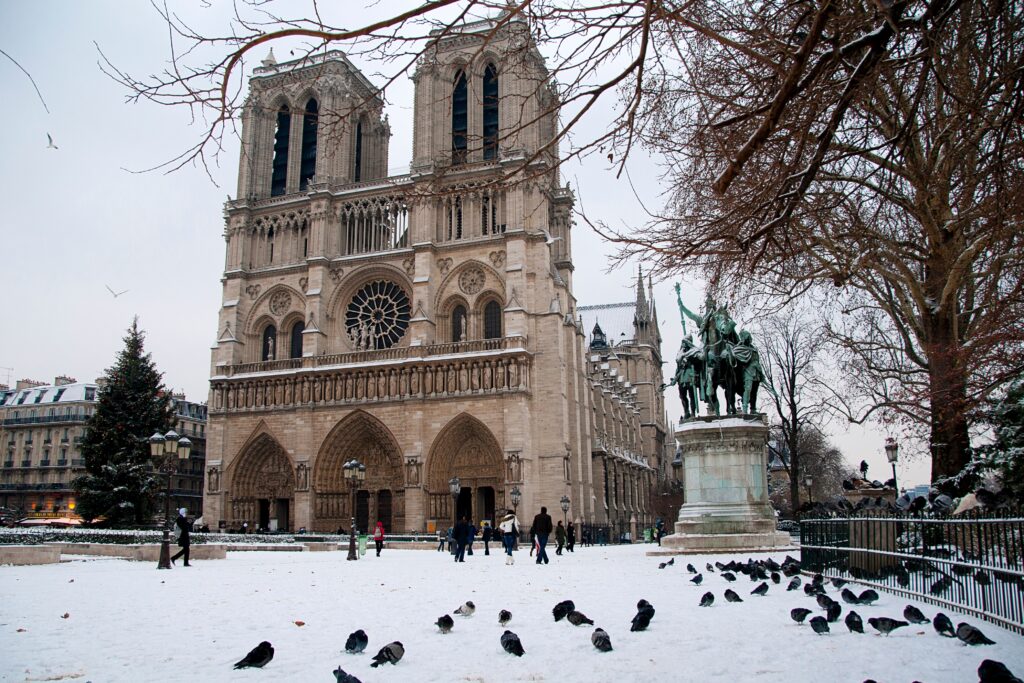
[(378, 537)]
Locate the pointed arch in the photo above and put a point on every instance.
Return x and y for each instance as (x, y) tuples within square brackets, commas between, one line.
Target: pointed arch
[(460, 117), (490, 112), (279, 168), (465, 448), (261, 482), (310, 120)]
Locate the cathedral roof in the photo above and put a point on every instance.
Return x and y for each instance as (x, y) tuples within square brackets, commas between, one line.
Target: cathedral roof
[(616, 320)]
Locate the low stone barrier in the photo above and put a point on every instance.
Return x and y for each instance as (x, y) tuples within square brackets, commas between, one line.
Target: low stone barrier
[(29, 554), (143, 552)]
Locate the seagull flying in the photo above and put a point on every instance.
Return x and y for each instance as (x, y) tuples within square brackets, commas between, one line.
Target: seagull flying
[(116, 294), (50, 144), (548, 239)]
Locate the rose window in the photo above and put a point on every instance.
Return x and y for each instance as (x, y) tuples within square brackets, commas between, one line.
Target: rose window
[(378, 315)]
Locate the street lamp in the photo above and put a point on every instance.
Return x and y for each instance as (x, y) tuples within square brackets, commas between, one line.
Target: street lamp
[(892, 450), (163, 447), (355, 474), (516, 496), (565, 509), (808, 482), (454, 487)]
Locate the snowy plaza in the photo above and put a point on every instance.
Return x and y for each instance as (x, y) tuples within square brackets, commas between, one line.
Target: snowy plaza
[(100, 620)]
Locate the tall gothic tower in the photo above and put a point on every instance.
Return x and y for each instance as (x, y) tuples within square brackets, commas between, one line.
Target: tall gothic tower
[(423, 324)]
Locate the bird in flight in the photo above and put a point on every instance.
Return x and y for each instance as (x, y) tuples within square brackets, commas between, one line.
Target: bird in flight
[(49, 139), (548, 239), (116, 294)]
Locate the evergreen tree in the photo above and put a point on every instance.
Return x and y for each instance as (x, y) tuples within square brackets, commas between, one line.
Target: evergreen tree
[(120, 482), (1005, 454)]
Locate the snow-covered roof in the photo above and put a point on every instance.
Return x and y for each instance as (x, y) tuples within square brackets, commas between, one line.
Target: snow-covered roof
[(616, 321), (48, 395)]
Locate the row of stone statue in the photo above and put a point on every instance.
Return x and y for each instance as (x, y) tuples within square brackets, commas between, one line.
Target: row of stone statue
[(724, 359), (362, 337)]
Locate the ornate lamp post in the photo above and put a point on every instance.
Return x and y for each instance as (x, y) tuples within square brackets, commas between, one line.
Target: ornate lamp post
[(516, 496), (454, 487), (163, 447), (355, 474), (808, 482), (565, 509), (892, 450)]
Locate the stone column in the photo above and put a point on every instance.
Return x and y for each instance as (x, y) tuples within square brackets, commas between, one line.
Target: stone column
[(727, 506)]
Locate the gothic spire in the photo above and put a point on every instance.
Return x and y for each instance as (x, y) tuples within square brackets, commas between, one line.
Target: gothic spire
[(643, 313)]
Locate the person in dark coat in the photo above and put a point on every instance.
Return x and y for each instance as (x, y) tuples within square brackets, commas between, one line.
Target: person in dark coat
[(471, 539), (488, 536), (184, 528), (559, 538), (461, 539), (543, 527), (570, 537)]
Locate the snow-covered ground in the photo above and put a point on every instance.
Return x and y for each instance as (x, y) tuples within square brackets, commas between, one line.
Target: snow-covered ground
[(127, 621)]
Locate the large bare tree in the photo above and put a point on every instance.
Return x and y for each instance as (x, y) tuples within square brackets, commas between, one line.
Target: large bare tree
[(868, 152)]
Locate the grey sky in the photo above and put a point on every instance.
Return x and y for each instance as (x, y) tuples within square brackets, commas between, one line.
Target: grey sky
[(75, 222)]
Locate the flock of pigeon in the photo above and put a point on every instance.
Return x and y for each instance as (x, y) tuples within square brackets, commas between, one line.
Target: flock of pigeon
[(764, 571), (393, 652)]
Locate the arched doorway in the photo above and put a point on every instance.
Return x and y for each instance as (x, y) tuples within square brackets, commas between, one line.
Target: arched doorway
[(262, 489), (466, 449), (381, 496)]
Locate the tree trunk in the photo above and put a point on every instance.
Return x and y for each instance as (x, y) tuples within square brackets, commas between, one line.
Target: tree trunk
[(947, 378)]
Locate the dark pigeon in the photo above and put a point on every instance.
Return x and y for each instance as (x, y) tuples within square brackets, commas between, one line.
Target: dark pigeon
[(731, 596), (798, 614), (641, 621), (444, 623), (662, 565), (943, 626), (511, 644), (707, 599), (794, 583), (341, 676), (832, 612), (820, 625), (690, 568), (578, 618), (824, 601), (867, 597), (838, 583), (257, 657), (562, 609), (886, 625), (914, 615), (849, 597), (967, 634), (776, 579), (941, 586), (854, 622), (671, 562), (772, 565), (504, 616), (601, 640), (697, 579), (762, 589), (729, 576), (813, 589), (992, 671), (709, 567), (392, 652), (356, 642)]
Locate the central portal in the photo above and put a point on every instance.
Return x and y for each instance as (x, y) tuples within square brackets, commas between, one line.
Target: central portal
[(466, 449)]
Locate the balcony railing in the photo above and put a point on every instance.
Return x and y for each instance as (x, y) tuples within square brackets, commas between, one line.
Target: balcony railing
[(376, 356), (43, 419)]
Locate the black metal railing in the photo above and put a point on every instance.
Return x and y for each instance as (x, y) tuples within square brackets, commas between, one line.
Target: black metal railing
[(973, 563)]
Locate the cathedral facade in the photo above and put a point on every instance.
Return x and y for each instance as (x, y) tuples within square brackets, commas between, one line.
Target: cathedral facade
[(422, 324)]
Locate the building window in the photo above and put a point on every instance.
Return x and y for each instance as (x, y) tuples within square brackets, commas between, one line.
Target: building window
[(90, 394), (460, 119), (279, 175), (490, 112), (357, 170), (454, 217), (492, 320), (459, 324), (377, 316), (309, 121), (296, 345), (268, 343)]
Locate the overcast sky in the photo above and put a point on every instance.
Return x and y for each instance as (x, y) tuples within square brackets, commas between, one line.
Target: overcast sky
[(75, 221)]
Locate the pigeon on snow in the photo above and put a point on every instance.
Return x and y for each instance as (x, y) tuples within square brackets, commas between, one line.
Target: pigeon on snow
[(342, 676), (943, 626), (731, 596), (601, 640), (511, 644), (914, 615), (444, 623), (392, 652), (356, 642), (257, 657), (504, 616), (886, 625), (707, 599), (563, 608), (820, 625), (854, 622), (969, 635), (578, 618), (466, 609), (798, 614)]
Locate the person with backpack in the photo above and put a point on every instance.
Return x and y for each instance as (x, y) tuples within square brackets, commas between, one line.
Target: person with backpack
[(378, 537), (509, 528)]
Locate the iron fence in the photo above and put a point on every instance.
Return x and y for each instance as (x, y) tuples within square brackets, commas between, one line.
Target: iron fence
[(971, 563)]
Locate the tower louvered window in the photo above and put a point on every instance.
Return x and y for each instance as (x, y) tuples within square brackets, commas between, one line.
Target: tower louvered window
[(490, 112), (309, 121), (460, 119), (279, 175), (357, 171)]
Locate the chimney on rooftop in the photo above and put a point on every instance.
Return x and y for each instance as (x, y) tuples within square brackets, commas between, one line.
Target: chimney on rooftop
[(27, 384), (61, 380)]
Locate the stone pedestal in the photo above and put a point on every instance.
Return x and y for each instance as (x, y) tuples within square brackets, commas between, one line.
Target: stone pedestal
[(726, 508)]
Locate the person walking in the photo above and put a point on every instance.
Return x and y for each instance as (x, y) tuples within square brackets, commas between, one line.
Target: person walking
[(378, 537), (461, 538), (509, 528), (471, 538), (488, 537), (559, 538), (570, 537), (441, 538), (542, 527), (184, 528)]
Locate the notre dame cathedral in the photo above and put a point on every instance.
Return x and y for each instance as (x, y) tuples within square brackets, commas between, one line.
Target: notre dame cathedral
[(423, 324)]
